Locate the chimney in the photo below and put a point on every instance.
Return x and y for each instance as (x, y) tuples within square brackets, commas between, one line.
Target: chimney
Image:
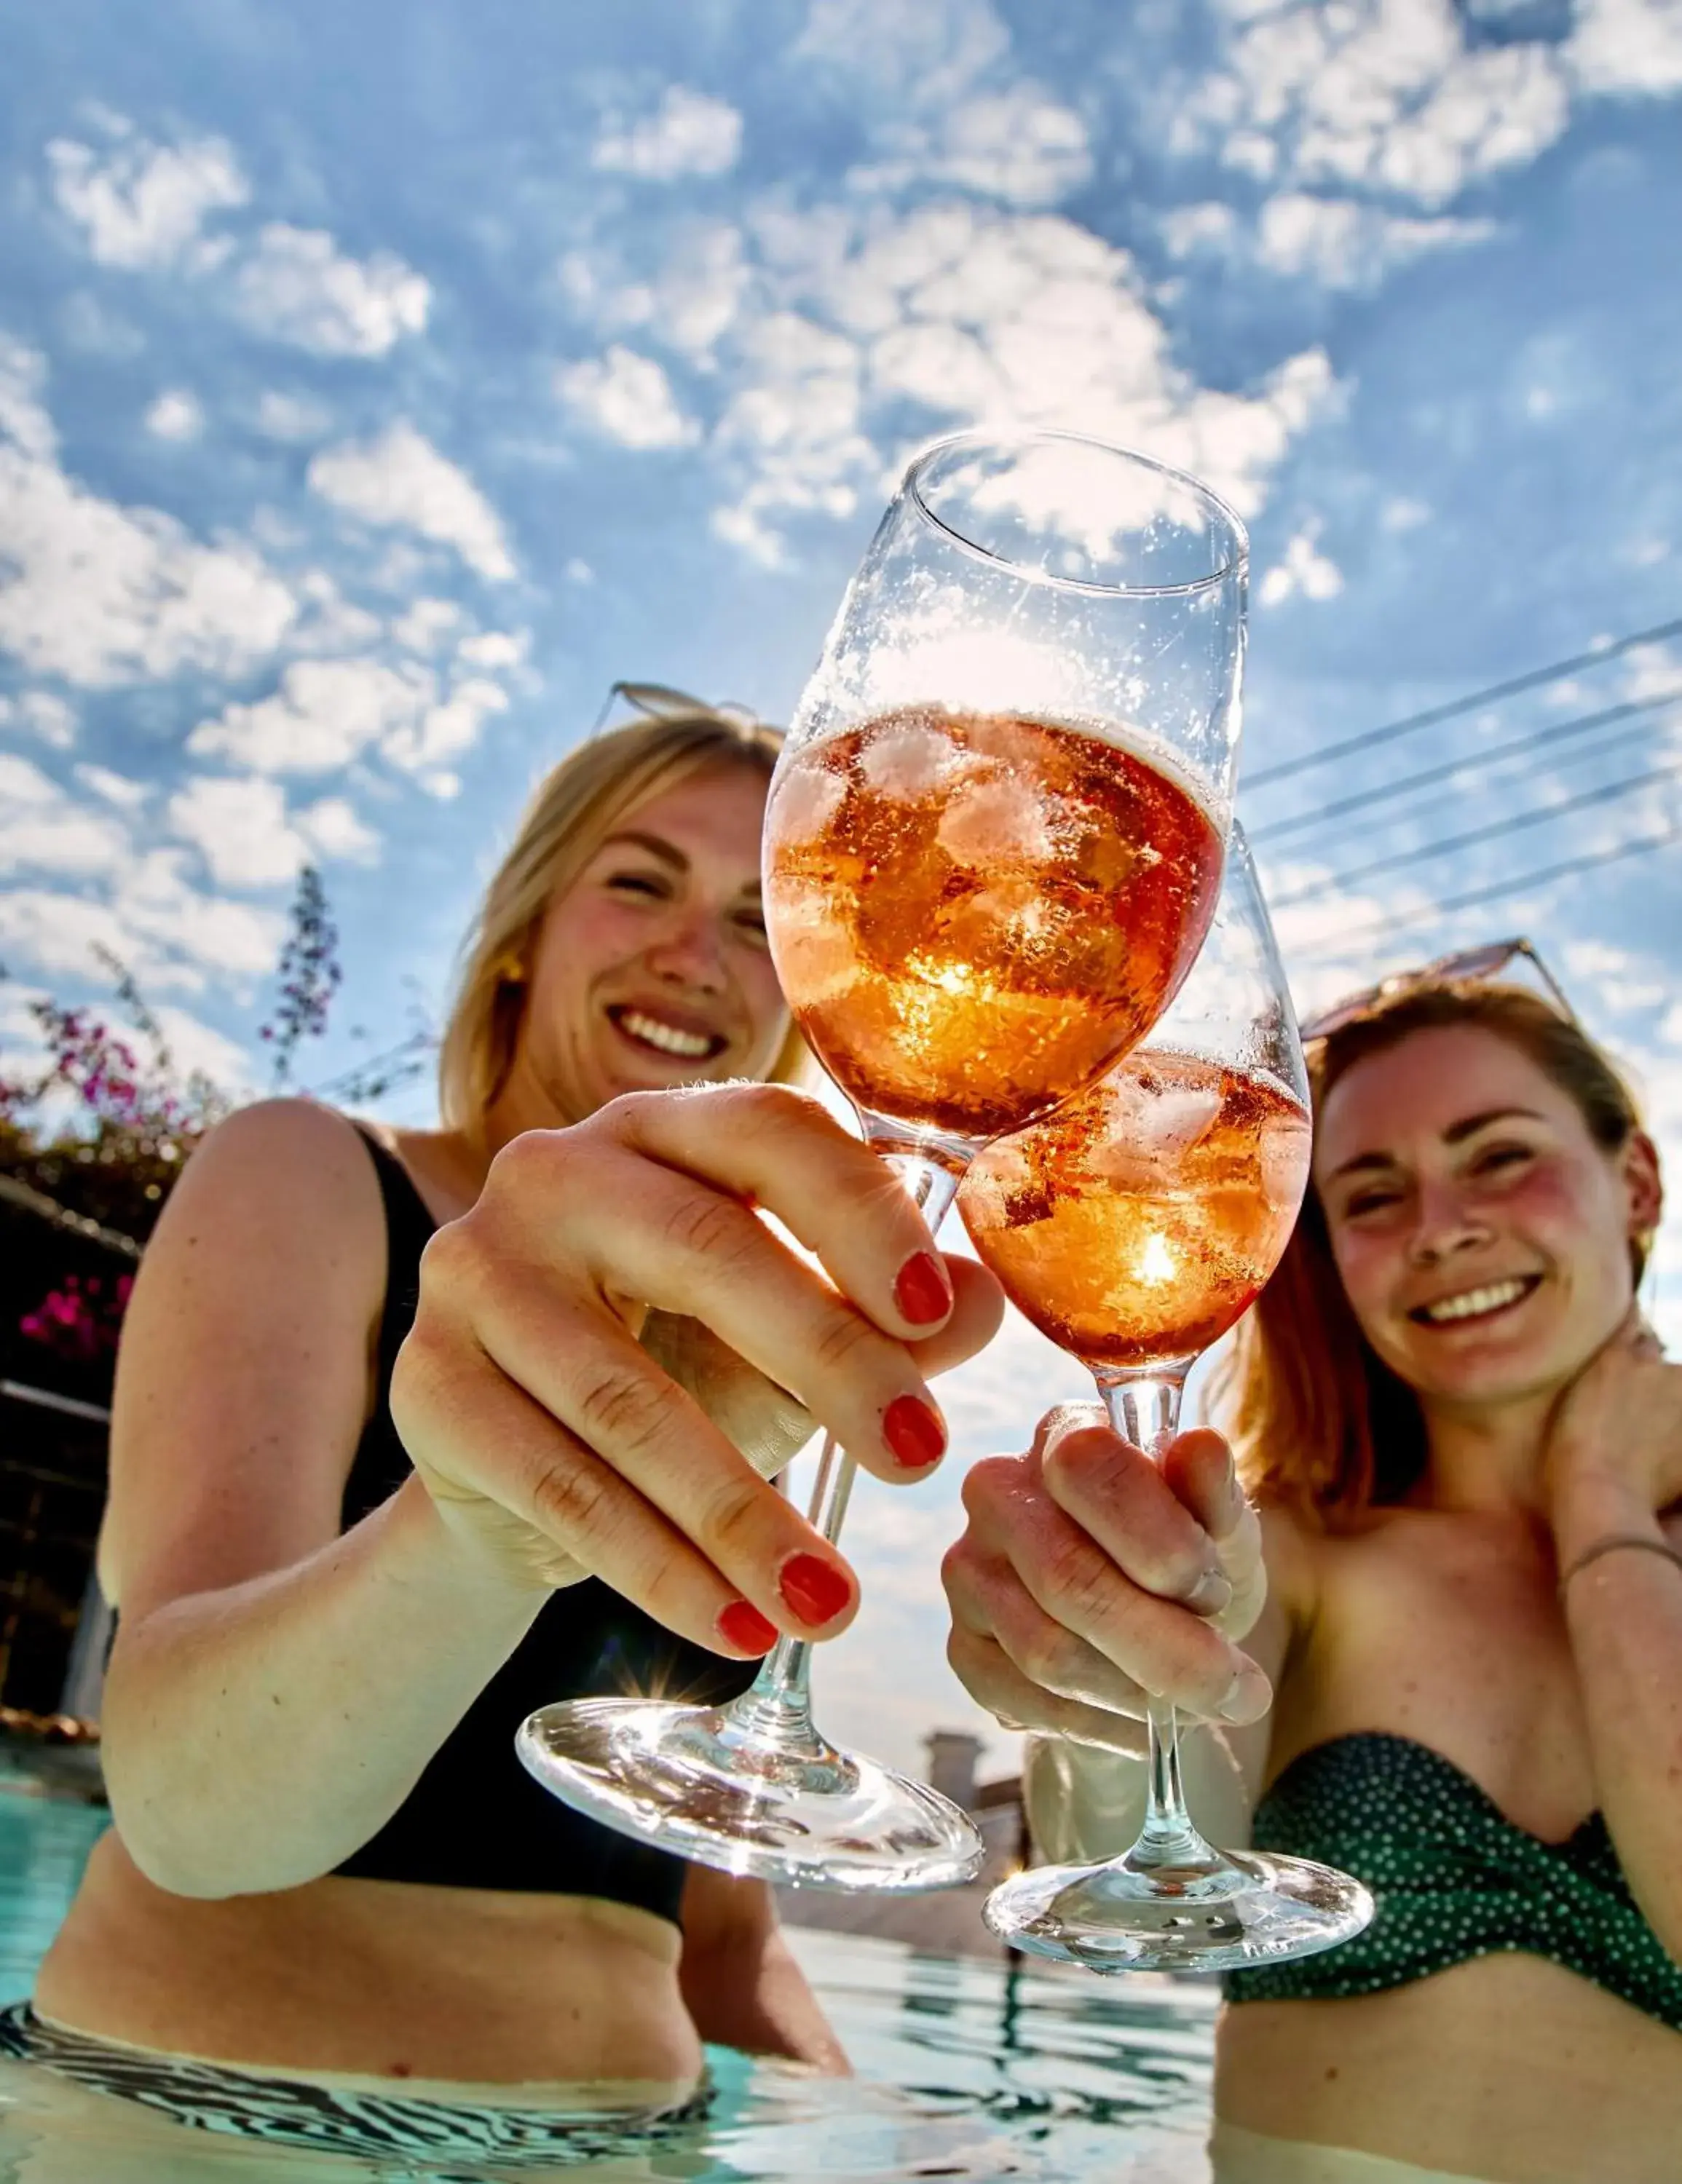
[(952, 1756)]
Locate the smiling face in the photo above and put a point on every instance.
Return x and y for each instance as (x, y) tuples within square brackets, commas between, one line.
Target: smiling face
[(1481, 1234), (652, 970)]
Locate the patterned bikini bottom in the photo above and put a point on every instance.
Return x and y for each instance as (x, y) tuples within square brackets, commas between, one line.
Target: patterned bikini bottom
[(323, 2116)]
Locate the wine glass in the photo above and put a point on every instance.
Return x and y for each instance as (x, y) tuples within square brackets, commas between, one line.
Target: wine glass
[(1134, 1228), (993, 846)]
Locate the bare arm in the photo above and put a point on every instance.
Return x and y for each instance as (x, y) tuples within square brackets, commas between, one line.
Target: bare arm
[(741, 1984), (275, 1689), (1616, 1462)]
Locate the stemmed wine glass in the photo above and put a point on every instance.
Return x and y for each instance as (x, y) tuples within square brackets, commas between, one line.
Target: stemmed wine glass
[(993, 846), (1134, 1228)]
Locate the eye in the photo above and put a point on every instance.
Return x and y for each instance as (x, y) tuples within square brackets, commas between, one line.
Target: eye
[(1496, 1157), (1374, 1200), (751, 924), (643, 883)]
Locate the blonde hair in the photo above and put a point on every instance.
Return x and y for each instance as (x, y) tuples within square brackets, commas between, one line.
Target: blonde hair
[(1315, 1417), (569, 815)]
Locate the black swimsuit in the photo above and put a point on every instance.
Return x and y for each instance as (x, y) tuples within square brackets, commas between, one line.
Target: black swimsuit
[(476, 1819)]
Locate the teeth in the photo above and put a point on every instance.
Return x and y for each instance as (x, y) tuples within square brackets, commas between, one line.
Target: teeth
[(688, 1045), (1473, 1301)]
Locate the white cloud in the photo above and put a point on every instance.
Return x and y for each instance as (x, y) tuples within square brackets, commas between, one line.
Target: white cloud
[(196, 1048), (1629, 47), (425, 624), (114, 788), (688, 133), (1342, 243), (325, 713), (98, 595), (925, 56), (1303, 569), (176, 416), (401, 479), (443, 731), (295, 285), (141, 204), (1380, 94), (332, 829), (41, 830), (687, 305), (626, 398), (494, 648), (292, 416), (1019, 144), (240, 830), (40, 714)]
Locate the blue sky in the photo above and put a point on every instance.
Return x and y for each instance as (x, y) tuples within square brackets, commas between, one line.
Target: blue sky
[(377, 386)]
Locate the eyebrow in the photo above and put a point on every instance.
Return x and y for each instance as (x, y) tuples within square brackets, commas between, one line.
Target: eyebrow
[(666, 852), (1457, 1134)]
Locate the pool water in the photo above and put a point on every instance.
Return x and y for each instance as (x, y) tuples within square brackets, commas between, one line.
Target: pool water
[(966, 2069)]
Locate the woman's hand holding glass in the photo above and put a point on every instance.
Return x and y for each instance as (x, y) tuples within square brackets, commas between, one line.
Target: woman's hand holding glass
[(1091, 1578), (555, 1443)]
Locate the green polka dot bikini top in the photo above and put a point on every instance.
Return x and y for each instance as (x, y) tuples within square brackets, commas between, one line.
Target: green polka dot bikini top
[(1452, 1877)]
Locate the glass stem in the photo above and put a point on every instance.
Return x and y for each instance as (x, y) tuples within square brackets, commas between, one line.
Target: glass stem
[(1144, 1408), (777, 1708)]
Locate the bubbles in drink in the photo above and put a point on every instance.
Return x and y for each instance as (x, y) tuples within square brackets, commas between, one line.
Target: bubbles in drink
[(973, 914), (1136, 1224)]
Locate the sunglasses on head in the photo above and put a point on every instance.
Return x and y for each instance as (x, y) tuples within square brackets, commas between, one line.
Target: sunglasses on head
[(659, 701), (1488, 961)]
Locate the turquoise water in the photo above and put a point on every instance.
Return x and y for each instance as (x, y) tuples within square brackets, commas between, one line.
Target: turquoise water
[(967, 2069)]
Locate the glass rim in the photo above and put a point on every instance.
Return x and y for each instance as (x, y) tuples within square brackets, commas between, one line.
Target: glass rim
[(980, 437)]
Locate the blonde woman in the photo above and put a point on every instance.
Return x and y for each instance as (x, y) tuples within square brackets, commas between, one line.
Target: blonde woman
[(1465, 1592), (384, 1398)]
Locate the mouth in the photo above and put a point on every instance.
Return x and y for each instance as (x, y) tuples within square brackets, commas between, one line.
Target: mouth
[(1486, 1302), (658, 1036)]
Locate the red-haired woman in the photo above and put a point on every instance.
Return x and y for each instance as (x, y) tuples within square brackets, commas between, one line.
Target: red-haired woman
[(1460, 1580)]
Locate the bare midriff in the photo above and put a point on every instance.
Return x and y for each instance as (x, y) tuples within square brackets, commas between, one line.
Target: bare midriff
[(1506, 2067), (384, 1979)]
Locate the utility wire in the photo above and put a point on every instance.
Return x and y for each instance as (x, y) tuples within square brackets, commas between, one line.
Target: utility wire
[(1493, 893), (1407, 726), (1407, 783), (1604, 794)]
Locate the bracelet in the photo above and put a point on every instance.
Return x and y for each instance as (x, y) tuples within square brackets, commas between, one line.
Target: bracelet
[(1618, 1539)]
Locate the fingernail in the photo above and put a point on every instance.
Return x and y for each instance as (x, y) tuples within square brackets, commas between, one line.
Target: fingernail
[(1233, 1500), (1212, 1593), (913, 1430), (922, 1292), (1248, 1696), (741, 1625), (814, 1588)]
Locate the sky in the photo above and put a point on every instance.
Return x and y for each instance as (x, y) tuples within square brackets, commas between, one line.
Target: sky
[(377, 386)]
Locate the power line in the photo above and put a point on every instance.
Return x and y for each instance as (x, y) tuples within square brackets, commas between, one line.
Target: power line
[(1466, 704), (1604, 794), (1499, 888), (1407, 783)]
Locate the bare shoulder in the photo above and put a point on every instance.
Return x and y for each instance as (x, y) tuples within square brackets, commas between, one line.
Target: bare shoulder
[(244, 1375)]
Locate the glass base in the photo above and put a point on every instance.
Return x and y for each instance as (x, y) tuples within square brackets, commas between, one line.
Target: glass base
[(1244, 1908), (695, 1780)]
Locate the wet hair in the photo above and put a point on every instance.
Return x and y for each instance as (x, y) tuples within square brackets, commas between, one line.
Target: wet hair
[(571, 812), (1315, 1417)]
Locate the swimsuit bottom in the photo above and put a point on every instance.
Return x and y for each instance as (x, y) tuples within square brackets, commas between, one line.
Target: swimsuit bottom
[(332, 2111), (1251, 2157)]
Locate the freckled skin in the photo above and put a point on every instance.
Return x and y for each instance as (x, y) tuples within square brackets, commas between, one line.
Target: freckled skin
[(1530, 1194)]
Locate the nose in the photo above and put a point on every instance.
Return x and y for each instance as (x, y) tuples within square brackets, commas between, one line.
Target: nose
[(689, 953), (1446, 1225)]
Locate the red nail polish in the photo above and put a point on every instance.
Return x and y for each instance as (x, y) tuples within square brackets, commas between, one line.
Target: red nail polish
[(922, 1291), (815, 1589), (913, 1430), (741, 1625)]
